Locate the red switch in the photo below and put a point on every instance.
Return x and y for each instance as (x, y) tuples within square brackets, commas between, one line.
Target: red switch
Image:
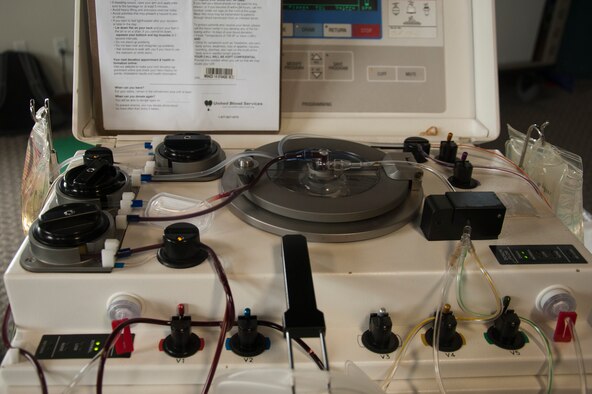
[(125, 341), (563, 330)]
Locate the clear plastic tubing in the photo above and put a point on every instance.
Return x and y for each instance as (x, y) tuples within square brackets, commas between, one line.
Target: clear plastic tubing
[(346, 165), (118, 156), (210, 171), (460, 252), (82, 373), (289, 137), (548, 352), (69, 160), (551, 302), (132, 148), (579, 356)]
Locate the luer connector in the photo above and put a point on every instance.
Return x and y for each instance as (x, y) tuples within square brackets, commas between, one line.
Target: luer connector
[(181, 343), (450, 340)]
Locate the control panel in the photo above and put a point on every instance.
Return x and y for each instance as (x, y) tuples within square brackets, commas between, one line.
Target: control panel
[(364, 56)]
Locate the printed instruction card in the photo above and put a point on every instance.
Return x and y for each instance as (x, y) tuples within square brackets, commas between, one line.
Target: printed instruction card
[(189, 65)]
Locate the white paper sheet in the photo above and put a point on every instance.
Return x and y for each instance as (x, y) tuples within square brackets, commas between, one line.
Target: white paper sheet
[(180, 65)]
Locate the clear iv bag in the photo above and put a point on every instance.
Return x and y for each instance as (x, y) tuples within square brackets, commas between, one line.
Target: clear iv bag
[(557, 172), (39, 170)]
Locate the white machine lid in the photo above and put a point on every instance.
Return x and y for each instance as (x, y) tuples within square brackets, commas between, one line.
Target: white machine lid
[(376, 74)]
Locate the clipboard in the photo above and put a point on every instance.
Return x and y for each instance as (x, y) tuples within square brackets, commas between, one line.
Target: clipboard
[(149, 77)]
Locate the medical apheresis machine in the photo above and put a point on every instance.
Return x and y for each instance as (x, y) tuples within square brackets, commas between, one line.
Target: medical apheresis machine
[(368, 246)]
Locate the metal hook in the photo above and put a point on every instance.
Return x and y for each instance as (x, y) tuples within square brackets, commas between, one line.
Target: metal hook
[(541, 131), (526, 142), (32, 109), (47, 117)]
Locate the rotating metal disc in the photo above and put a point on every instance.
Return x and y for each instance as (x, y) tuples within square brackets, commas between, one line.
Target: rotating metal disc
[(326, 204)]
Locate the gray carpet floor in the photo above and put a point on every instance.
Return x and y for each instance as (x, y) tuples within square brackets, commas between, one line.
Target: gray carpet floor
[(570, 114), (12, 156)]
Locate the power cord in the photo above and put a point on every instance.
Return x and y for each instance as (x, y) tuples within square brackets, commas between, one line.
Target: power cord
[(29, 356)]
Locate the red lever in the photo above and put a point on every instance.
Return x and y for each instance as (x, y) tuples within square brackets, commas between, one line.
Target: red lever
[(563, 330), (125, 341)]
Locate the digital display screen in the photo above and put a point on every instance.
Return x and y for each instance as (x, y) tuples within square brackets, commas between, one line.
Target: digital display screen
[(330, 5)]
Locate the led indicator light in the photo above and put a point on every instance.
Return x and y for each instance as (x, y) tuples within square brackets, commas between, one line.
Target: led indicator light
[(179, 238), (96, 349), (97, 343)]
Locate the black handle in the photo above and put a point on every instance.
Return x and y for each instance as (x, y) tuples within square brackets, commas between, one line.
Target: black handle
[(302, 319)]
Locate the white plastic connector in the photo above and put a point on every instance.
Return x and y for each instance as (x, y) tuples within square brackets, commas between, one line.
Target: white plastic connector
[(108, 258), (157, 140), (128, 196), (121, 222), (123, 204), (136, 178), (125, 210), (149, 168), (112, 244), (555, 299)]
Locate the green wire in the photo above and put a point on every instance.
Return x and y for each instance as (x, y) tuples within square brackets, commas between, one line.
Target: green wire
[(548, 349)]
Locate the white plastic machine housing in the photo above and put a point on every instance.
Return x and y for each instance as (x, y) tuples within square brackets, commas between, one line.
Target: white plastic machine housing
[(461, 77), (400, 272)]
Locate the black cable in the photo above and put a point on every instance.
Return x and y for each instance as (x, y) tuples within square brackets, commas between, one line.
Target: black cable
[(225, 325), (230, 195), (29, 356), (109, 342), (228, 321), (299, 341)]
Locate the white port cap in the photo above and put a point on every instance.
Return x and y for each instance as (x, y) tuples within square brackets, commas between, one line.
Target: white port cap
[(555, 299), (124, 210), (128, 196), (124, 306), (108, 258), (136, 178), (112, 244), (149, 168), (121, 222)]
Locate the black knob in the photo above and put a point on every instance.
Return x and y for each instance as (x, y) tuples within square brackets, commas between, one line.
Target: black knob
[(450, 340), (247, 342), (187, 147), (505, 331), (181, 342), (98, 153), (419, 147), (70, 225), (448, 150), (379, 337), (181, 246), (96, 179), (462, 174)]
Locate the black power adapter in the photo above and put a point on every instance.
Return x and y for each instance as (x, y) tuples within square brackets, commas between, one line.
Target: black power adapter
[(445, 216)]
